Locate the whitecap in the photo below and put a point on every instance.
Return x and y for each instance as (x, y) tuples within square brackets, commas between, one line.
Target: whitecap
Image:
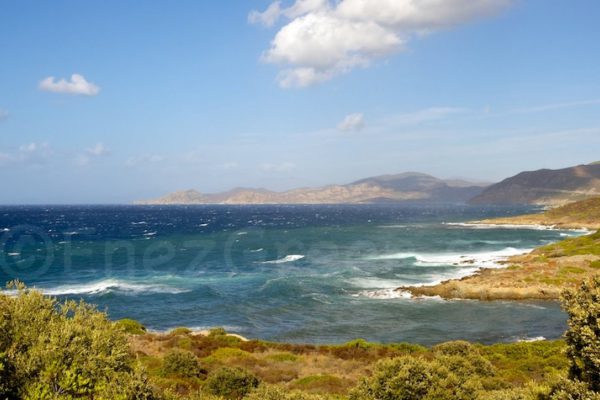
[(256, 250), (531, 339), (286, 259), (383, 294), (111, 285), (490, 259), (150, 233)]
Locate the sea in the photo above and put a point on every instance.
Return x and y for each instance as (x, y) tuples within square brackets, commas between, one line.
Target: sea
[(288, 273)]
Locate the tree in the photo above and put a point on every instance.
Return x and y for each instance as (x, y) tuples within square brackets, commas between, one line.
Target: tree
[(583, 335)]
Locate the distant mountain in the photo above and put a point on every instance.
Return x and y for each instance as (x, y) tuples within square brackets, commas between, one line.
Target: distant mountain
[(545, 187), (411, 186)]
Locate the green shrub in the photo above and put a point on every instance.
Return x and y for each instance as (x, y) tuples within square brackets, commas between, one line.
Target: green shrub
[(583, 335), (181, 363), (63, 350), (217, 332), (180, 331), (267, 392), (131, 326), (231, 383)]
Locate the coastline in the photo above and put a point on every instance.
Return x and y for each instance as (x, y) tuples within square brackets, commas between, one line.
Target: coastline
[(541, 274)]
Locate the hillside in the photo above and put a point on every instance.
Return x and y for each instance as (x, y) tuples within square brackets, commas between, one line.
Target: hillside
[(545, 187), (409, 186), (580, 214)]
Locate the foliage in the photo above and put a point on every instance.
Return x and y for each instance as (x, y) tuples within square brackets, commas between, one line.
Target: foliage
[(231, 383), (181, 363), (272, 392), (131, 326), (63, 350), (583, 335)]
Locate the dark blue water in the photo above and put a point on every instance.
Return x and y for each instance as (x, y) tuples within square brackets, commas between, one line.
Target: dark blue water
[(288, 273)]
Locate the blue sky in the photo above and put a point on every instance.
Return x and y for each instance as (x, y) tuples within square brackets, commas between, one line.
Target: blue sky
[(214, 95)]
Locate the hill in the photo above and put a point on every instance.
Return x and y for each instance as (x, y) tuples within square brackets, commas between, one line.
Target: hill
[(545, 187), (410, 186), (580, 214)]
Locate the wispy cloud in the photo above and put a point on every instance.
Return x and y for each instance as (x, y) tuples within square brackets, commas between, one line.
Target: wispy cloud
[(29, 154), (3, 114), (352, 122), (144, 159), (556, 106), (277, 167), (322, 39), (96, 151), (77, 85)]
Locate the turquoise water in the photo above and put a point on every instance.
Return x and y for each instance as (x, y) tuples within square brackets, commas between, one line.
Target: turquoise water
[(317, 274)]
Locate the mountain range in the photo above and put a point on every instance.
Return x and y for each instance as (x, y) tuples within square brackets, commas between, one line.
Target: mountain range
[(542, 187), (409, 186)]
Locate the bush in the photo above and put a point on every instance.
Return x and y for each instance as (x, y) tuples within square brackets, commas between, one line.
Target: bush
[(410, 378), (131, 326), (265, 392), (231, 383), (50, 349), (182, 330), (583, 335), (181, 363)]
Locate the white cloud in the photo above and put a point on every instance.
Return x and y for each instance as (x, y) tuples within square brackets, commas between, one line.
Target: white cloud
[(281, 167), (323, 38), (267, 17), (352, 122), (30, 153), (98, 150), (77, 85)]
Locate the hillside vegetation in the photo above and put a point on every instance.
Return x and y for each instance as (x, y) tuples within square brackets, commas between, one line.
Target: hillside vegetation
[(580, 214), (542, 274), (56, 350)]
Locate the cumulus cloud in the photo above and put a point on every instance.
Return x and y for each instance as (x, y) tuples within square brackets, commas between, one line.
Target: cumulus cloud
[(76, 85), (322, 38), (281, 167), (352, 122)]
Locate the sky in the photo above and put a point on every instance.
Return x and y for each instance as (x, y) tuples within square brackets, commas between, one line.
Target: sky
[(113, 101)]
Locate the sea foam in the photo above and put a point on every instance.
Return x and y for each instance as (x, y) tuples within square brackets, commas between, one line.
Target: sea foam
[(286, 259), (489, 259), (111, 285)]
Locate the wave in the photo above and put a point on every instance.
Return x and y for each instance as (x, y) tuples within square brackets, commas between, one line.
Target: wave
[(109, 286), (490, 259), (531, 339), (383, 294), (286, 259), (256, 250)]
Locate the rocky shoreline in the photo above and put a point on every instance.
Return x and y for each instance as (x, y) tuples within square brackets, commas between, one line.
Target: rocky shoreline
[(539, 275)]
